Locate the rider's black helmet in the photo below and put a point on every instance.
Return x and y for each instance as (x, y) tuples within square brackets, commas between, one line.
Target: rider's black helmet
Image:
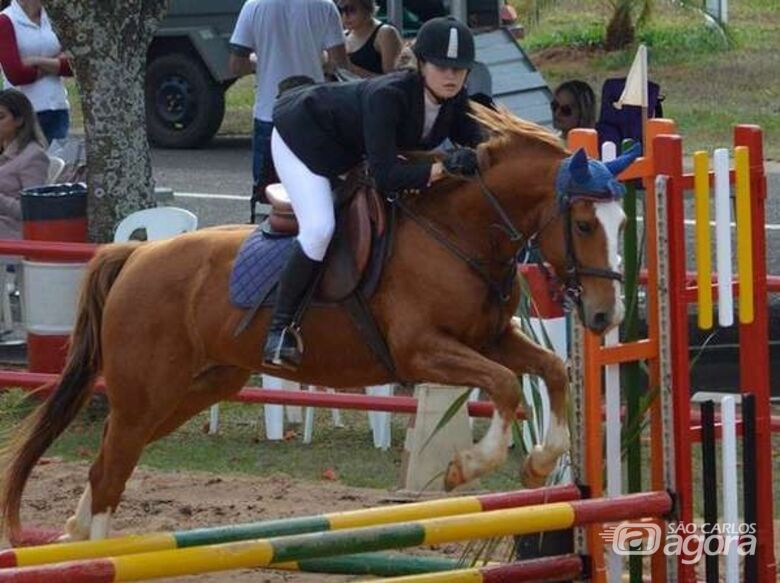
[(445, 42)]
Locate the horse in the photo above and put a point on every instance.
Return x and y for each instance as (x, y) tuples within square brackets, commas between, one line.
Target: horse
[(154, 319)]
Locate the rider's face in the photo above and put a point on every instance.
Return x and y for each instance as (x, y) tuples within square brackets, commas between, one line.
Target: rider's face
[(443, 82)]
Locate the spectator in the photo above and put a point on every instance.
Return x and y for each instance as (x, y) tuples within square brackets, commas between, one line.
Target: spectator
[(33, 62), (23, 160), (573, 106), (373, 47), (272, 30)]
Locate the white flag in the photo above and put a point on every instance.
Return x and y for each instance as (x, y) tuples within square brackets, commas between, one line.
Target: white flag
[(635, 91)]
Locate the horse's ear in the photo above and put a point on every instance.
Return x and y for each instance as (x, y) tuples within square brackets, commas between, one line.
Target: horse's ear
[(619, 164), (579, 169), (483, 157)]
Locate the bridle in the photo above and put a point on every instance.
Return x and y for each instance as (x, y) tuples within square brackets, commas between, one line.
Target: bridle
[(571, 285)]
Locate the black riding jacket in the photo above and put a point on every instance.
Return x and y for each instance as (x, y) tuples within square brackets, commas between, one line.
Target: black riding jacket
[(333, 127)]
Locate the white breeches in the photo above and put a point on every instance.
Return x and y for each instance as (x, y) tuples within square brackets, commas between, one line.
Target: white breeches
[(311, 199)]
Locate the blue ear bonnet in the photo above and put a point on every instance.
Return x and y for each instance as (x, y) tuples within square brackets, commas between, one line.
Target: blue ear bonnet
[(579, 177)]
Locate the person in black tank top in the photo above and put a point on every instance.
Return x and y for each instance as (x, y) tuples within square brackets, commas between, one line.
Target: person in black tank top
[(373, 47)]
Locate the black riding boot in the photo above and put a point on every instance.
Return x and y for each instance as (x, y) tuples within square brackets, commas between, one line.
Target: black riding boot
[(281, 344)]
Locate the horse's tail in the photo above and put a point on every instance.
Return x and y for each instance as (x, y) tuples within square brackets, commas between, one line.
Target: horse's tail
[(36, 433)]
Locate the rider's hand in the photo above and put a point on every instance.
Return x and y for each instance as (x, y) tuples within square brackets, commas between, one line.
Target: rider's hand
[(461, 162)]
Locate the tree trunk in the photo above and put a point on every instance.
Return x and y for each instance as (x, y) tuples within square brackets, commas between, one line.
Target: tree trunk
[(107, 41), (620, 30)]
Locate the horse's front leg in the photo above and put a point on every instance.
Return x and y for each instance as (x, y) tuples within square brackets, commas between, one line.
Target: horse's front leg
[(520, 354), (446, 361)]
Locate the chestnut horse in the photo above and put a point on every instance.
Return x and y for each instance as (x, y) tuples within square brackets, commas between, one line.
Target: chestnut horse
[(155, 320)]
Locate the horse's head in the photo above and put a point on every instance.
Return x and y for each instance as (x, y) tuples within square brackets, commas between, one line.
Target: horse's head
[(580, 236), (566, 204)]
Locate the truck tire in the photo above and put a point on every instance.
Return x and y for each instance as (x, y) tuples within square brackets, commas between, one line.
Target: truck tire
[(184, 106)]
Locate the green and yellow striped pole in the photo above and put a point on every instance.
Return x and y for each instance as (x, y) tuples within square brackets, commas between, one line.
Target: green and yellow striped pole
[(559, 568), (266, 552), (127, 545)]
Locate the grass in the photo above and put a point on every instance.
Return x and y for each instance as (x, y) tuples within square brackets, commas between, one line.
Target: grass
[(241, 448), (709, 85)]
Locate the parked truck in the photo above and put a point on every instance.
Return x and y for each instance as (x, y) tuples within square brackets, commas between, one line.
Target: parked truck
[(187, 72)]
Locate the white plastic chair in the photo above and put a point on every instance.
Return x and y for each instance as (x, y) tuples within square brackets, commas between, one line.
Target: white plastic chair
[(308, 416), (6, 317), (56, 166), (160, 223), (274, 414), (380, 421)]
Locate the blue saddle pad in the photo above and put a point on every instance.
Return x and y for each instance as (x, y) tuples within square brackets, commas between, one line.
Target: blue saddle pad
[(257, 268)]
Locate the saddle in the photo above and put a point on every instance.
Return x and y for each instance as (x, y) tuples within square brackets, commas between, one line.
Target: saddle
[(360, 231)]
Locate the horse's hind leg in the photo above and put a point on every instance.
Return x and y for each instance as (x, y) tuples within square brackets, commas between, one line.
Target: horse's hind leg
[(140, 398), (519, 353), (124, 438), (117, 459)]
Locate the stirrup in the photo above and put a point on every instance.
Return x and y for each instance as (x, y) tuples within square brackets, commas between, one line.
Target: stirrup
[(288, 357)]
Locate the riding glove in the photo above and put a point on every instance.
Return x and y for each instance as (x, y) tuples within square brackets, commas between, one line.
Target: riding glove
[(461, 162)]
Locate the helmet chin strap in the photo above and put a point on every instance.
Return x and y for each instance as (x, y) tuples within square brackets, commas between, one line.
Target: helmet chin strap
[(432, 94)]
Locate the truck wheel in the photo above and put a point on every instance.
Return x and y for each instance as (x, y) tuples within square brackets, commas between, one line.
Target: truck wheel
[(184, 107)]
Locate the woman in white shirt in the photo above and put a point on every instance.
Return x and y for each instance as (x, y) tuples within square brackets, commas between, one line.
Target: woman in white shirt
[(33, 62)]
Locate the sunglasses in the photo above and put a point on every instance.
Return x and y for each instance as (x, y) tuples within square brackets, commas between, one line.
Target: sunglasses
[(347, 9), (565, 110)]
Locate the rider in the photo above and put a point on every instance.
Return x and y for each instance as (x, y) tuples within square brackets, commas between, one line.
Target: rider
[(323, 131)]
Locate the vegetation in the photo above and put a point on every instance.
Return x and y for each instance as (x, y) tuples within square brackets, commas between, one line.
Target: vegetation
[(711, 80)]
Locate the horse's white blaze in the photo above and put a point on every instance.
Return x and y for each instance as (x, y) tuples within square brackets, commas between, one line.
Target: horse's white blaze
[(611, 216), (100, 525)]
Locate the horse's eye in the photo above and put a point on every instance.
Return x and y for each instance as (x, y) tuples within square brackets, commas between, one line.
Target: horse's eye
[(584, 227)]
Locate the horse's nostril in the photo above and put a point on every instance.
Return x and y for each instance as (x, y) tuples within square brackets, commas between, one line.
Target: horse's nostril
[(600, 320)]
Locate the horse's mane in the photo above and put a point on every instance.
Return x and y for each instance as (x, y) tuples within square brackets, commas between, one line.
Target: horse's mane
[(507, 129), (506, 132)]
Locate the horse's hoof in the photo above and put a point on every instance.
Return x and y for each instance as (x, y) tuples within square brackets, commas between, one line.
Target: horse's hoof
[(530, 477), (453, 477), (73, 532)]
